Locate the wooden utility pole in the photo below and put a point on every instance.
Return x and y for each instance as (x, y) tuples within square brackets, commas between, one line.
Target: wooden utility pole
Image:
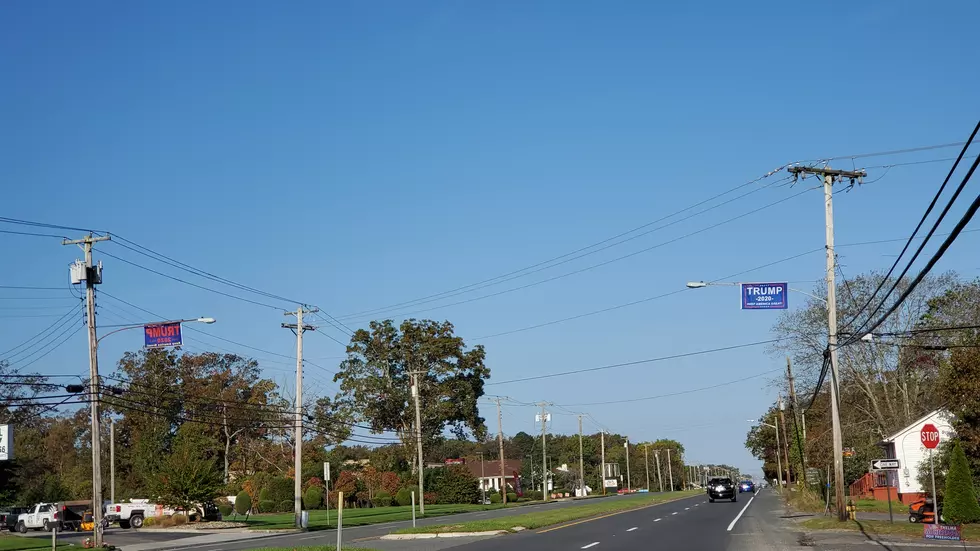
[(500, 441), (782, 421), (646, 462), (581, 459), (794, 405), (544, 448), (602, 468), (298, 328), (829, 176)]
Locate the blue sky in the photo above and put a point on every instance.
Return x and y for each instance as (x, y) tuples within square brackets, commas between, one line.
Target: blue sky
[(360, 155)]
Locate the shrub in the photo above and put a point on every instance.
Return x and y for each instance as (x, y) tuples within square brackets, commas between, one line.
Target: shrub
[(961, 505), (179, 520), (511, 497), (382, 499), (152, 521), (495, 498), (263, 497), (403, 497), (243, 503), (267, 506), (313, 499), (457, 485), (430, 498), (165, 522), (285, 506), (281, 489), (225, 509)]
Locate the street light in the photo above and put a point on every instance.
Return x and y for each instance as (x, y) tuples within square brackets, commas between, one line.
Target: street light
[(779, 461), (95, 427), (700, 284)]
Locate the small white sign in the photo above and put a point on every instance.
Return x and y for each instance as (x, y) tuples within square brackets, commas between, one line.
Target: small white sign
[(6, 442)]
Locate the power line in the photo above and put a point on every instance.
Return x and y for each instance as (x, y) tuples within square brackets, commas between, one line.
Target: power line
[(918, 226), (637, 362), (7, 220), (573, 255), (33, 234), (70, 311)]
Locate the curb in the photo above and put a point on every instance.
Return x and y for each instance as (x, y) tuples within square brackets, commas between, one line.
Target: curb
[(442, 535)]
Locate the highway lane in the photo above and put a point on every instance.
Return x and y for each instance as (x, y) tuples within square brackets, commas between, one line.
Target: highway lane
[(690, 523), (361, 533)]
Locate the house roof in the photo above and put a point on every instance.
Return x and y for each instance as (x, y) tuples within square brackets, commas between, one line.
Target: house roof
[(915, 424), (491, 468)]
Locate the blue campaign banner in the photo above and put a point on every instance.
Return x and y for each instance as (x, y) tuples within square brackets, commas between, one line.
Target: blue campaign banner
[(765, 296), (164, 334)]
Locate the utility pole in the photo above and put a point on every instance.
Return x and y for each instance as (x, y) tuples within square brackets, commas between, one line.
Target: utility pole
[(544, 448), (779, 460), (416, 390), (602, 447), (581, 460), (629, 477), (112, 461), (829, 175), (660, 480), (298, 329), (93, 276), (646, 462), (500, 441), (796, 420), (782, 421), (670, 471)]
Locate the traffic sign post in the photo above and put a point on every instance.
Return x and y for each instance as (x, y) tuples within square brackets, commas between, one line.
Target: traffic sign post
[(887, 465), (929, 435)]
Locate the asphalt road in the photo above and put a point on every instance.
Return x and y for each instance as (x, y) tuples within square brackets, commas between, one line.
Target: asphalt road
[(365, 535)]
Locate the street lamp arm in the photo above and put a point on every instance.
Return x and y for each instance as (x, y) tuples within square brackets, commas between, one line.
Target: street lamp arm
[(138, 325), (701, 284)]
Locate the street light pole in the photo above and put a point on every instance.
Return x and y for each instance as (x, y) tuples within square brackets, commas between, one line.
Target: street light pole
[(629, 477)]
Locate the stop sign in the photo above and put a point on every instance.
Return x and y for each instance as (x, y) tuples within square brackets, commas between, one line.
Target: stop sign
[(929, 435)]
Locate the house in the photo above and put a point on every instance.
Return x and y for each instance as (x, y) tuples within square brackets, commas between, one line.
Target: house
[(487, 472), (904, 445)]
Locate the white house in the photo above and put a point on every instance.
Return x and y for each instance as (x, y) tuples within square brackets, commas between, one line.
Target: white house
[(905, 445)]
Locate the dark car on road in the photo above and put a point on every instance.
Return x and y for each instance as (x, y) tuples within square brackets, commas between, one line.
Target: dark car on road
[(746, 486), (722, 488)]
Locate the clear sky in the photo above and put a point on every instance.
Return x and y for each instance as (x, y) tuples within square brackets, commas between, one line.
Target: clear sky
[(357, 155)]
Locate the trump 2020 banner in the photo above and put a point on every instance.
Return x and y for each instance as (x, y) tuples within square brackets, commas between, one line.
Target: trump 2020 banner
[(765, 296), (161, 335)]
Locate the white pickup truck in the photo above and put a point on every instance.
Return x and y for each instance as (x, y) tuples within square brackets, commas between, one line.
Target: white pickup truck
[(42, 516), (133, 513)]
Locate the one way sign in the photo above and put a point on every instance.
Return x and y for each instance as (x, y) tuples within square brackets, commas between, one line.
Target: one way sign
[(884, 464)]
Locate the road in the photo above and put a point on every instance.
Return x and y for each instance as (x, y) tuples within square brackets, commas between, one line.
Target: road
[(365, 533)]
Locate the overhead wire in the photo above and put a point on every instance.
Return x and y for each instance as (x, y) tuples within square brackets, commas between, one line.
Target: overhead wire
[(69, 312)]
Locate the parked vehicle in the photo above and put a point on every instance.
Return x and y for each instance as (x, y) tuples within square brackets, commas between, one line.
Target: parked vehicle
[(8, 517), (922, 511), (133, 513)]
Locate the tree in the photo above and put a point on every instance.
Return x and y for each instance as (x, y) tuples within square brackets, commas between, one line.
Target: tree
[(243, 503), (960, 505), (375, 381), (189, 476), (457, 485)]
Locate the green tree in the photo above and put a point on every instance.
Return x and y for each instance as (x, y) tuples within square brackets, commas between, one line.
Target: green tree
[(457, 485), (375, 381), (243, 503), (313, 499), (960, 505), (189, 475)]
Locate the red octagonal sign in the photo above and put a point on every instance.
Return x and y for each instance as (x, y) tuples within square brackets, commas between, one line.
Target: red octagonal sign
[(929, 435)]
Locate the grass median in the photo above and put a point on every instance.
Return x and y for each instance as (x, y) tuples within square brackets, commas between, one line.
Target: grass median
[(360, 517), (539, 519), (881, 527), (10, 542)]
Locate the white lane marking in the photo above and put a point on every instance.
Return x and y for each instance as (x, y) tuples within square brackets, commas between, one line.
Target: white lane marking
[(674, 513), (687, 508), (739, 515), (306, 538), (593, 544), (656, 520), (631, 529)]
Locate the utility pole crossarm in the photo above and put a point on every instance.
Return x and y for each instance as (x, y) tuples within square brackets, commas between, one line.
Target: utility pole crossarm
[(818, 171)]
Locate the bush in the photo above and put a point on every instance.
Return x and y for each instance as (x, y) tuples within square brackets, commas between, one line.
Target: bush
[(281, 489), (960, 505), (403, 497), (225, 509), (243, 503), (165, 522), (313, 499), (151, 521), (495, 498), (511, 497), (179, 520), (534, 495), (430, 498), (267, 506), (457, 485), (285, 506), (382, 499), (263, 497)]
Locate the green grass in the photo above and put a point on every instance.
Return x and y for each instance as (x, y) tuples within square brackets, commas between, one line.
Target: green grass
[(555, 516), (873, 505), (10, 542), (881, 527), (360, 517)]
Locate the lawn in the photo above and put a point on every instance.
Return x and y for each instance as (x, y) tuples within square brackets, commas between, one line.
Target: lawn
[(881, 527), (876, 506), (554, 516), (10, 542), (361, 517)]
